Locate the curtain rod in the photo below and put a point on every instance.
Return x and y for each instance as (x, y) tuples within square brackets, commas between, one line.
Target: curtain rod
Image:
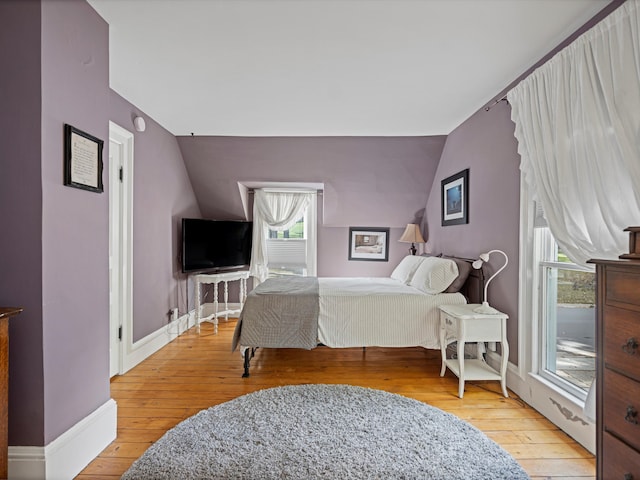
[(495, 102), (287, 190)]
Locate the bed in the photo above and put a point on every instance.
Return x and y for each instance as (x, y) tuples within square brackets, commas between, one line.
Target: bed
[(342, 312)]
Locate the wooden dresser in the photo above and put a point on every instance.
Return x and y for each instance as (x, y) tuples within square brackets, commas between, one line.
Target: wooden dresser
[(618, 369), (5, 315)]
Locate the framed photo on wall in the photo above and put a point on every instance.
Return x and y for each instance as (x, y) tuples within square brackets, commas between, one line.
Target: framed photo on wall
[(455, 199), (82, 160), (369, 243)]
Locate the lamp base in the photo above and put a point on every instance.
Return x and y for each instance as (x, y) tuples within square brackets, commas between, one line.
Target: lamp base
[(486, 309), (413, 249)]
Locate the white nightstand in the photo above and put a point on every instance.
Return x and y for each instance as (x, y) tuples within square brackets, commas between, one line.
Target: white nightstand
[(460, 323)]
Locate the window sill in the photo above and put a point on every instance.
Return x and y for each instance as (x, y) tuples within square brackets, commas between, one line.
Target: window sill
[(575, 401)]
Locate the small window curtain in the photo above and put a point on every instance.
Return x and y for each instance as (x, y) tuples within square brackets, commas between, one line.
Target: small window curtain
[(272, 211), (578, 129)]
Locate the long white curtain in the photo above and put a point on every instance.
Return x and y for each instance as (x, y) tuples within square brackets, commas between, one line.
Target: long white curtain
[(578, 129), (272, 211)]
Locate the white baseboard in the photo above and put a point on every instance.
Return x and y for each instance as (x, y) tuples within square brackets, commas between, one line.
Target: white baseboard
[(68, 454), (153, 342), (72, 451), (208, 309), (559, 408)]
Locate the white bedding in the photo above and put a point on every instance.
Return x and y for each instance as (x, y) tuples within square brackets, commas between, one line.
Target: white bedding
[(382, 312)]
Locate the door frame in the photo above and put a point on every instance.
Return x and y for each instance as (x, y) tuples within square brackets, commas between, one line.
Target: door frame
[(121, 249)]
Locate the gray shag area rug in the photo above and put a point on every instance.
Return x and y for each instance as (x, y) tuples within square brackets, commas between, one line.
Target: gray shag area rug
[(324, 431)]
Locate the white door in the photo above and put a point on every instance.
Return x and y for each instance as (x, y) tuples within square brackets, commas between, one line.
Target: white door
[(120, 238), (115, 218)]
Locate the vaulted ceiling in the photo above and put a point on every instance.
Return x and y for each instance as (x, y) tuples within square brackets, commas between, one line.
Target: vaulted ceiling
[(326, 67)]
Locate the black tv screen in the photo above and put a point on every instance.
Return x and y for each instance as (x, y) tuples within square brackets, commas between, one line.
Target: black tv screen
[(215, 244)]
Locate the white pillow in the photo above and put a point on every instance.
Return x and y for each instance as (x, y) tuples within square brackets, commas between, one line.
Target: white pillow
[(434, 275), (406, 268)]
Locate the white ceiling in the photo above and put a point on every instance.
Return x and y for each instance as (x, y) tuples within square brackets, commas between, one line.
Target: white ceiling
[(326, 67)]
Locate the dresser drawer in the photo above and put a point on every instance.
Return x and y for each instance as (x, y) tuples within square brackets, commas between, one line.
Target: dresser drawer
[(623, 288), (621, 397), (622, 340), (618, 460)]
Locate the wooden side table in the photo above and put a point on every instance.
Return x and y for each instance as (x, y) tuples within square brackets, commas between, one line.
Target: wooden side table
[(462, 324), (5, 314)]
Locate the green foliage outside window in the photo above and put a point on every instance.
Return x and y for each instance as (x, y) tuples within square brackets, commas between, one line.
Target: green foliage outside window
[(296, 231), (575, 287)]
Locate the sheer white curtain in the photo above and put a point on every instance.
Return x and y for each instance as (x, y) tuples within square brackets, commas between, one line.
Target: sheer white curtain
[(578, 129), (272, 211)]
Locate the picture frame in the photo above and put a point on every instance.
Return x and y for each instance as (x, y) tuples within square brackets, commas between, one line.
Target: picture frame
[(455, 199), (369, 244), (82, 160)]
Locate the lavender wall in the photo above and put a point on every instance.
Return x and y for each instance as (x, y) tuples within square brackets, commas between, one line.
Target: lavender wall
[(54, 250), (21, 215), (162, 196), (373, 181), (333, 254), (75, 228), (369, 182), (485, 144)]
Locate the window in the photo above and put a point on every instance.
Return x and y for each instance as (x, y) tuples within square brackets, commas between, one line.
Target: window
[(293, 251), (556, 327), (566, 318)]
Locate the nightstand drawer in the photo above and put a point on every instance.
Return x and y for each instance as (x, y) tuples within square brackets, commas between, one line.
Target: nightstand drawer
[(620, 461), (475, 330), (622, 416), (622, 340)]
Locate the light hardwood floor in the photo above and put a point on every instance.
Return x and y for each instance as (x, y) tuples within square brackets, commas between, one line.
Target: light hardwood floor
[(197, 371)]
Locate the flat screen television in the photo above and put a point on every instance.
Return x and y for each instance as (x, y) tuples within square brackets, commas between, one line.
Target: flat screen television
[(215, 244)]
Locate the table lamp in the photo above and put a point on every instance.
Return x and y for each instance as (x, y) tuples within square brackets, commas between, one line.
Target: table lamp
[(484, 258), (412, 235)]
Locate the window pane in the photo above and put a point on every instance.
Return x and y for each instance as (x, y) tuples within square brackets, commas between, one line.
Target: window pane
[(570, 327), (296, 231), (561, 256), (287, 271)]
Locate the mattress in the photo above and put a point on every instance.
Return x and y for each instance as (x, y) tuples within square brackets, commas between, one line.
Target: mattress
[(382, 312)]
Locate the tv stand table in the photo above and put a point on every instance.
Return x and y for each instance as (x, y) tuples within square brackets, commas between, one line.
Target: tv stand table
[(215, 278)]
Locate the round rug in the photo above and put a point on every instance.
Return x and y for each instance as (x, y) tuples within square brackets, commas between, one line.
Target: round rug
[(324, 431)]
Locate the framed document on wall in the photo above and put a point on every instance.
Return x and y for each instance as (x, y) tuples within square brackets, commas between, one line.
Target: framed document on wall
[(82, 160)]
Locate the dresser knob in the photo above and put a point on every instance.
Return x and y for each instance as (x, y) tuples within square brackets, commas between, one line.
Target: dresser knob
[(631, 346), (628, 476), (631, 415)]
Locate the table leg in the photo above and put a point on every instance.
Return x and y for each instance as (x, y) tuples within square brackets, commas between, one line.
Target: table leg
[(243, 291), (461, 368), (215, 308), (505, 359), (443, 350), (226, 301), (198, 306)]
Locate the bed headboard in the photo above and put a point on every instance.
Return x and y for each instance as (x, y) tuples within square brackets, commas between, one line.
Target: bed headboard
[(473, 288)]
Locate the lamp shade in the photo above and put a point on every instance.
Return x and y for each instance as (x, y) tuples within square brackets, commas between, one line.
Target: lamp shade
[(412, 234)]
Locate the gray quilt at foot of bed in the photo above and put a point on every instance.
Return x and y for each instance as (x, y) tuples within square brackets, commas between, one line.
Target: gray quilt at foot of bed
[(281, 312)]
